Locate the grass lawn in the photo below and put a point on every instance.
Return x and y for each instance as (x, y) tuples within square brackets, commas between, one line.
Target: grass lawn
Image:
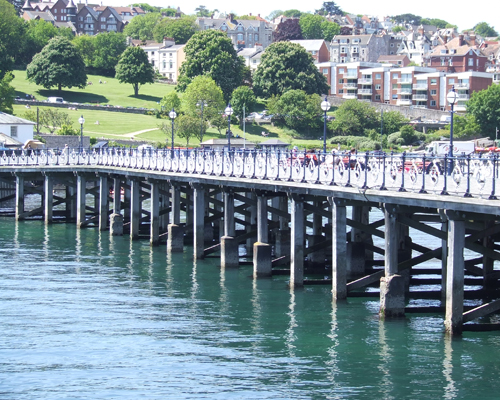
[(116, 125), (113, 92)]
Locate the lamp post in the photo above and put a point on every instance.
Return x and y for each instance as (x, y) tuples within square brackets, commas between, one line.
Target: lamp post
[(81, 120), (325, 106), (172, 116), (202, 104), (228, 111), (452, 98)]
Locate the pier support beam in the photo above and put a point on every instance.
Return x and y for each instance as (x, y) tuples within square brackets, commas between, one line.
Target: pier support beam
[(317, 257), (229, 229), (175, 241), (135, 209), (175, 217), (282, 246), (297, 242), (49, 199), (251, 220), (154, 228), (80, 200), (116, 224), (392, 293), (339, 248), (19, 197), (229, 257), (117, 201), (199, 220), (455, 274), (70, 202), (103, 202), (262, 225), (262, 265)]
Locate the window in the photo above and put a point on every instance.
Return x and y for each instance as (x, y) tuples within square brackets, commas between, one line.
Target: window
[(325, 71), (240, 37), (433, 103), (342, 49), (13, 131), (451, 81), (170, 55), (164, 55), (341, 80), (433, 92), (171, 65), (103, 19), (450, 62), (152, 53), (443, 61), (341, 70), (55, 10), (433, 81), (313, 52), (394, 76), (377, 97), (378, 76), (342, 60), (394, 86), (354, 49), (341, 91), (394, 96), (256, 37), (471, 62), (103, 26), (55, 17), (80, 26), (80, 19), (392, 44), (164, 64), (378, 87)]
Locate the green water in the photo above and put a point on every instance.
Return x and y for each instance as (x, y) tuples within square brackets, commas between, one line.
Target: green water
[(87, 316)]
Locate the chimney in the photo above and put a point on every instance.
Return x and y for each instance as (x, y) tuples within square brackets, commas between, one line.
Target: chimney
[(472, 40), (461, 40)]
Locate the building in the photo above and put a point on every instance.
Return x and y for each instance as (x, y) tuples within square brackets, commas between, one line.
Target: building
[(166, 57), (243, 33), (15, 128), (416, 45), (466, 83), (61, 13), (400, 60), (252, 56), (318, 49), (362, 48)]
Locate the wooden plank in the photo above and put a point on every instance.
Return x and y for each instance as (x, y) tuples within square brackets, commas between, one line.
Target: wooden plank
[(365, 281), (481, 311)]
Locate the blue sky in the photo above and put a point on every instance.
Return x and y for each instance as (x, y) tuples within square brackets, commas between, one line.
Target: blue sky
[(461, 13)]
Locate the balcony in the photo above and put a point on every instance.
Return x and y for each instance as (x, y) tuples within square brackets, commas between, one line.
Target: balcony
[(405, 91), (462, 85), (420, 97), (463, 96), (405, 80), (351, 85), (365, 81), (420, 86), (351, 95), (365, 91), (404, 102), (352, 75)]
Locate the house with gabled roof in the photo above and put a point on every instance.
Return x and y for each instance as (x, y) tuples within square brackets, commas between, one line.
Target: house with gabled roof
[(16, 129), (318, 49)]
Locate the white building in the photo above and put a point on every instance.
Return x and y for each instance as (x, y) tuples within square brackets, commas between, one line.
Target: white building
[(16, 128)]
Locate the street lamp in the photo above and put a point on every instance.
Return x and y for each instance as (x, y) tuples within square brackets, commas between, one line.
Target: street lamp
[(81, 120), (172, 116), (228, 111), (325, 106), (202, 104), (452, 98)]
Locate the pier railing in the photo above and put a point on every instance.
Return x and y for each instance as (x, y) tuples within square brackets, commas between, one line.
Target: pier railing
[(467, 176)]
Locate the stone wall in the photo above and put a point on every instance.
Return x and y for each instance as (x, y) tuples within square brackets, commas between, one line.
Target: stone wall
[(35, 103), (59, 141)]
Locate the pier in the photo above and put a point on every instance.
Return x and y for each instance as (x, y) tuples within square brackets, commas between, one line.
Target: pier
[(290, 213)]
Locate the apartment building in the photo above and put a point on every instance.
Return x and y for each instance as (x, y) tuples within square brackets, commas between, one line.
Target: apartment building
[(466, 83), (358, 48)]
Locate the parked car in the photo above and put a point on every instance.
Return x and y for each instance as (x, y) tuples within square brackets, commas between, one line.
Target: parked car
[(55, 100)]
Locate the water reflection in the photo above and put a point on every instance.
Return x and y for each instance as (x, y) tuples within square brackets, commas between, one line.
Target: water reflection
[(386, 361), (290, 336), (450, 390)]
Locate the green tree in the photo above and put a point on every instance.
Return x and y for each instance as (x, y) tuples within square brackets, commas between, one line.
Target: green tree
[(408, 18), (37, 35), (393, 121), (86, 46), (134, 68), (243, 97), (212, 53), (187, 127), (293, 13), (310, 25), (396, 29), (52, 119), (219, 122), (408, 134), (11, 30), (67, 129), (274, 14), (465, 127), (353, 117), (146, 7), (286, 66), (201, 11), (300, 111), (169, 12), (329, 7), (484, 30), (180, 29), (109, 46), (169, 101), (6, 94), (485, 107), (58, 64), (329, 30), (202, 90), (142, 26)]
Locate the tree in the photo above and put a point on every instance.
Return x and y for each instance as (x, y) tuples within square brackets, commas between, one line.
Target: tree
[(393, 121), (86, 46), (180, 29), (212, 53), (203, 90), (187, 127), (201, 11), (485, 107), (146, 7), (58, 64), (134, 68), (484, 30), (11, 30), (353, 117), (142, 26), (345, 30), (243, 97), (408, 134), (109, 46), (407, 18), (329, 7), (288, 29), (170, 101), (219, 122), (396, 29), (293, 13), (52, 119), (36, 37), (299, 110), (329, 30), (286, 66), (274, 14), (310, 25), (6, 94)]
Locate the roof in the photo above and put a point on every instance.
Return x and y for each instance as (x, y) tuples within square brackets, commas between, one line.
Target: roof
[(274, 142), (310, 45), (7, 119), (9, 141), (234, 142)]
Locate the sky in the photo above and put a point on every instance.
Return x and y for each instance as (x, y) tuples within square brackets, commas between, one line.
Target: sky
[(461, 13)]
